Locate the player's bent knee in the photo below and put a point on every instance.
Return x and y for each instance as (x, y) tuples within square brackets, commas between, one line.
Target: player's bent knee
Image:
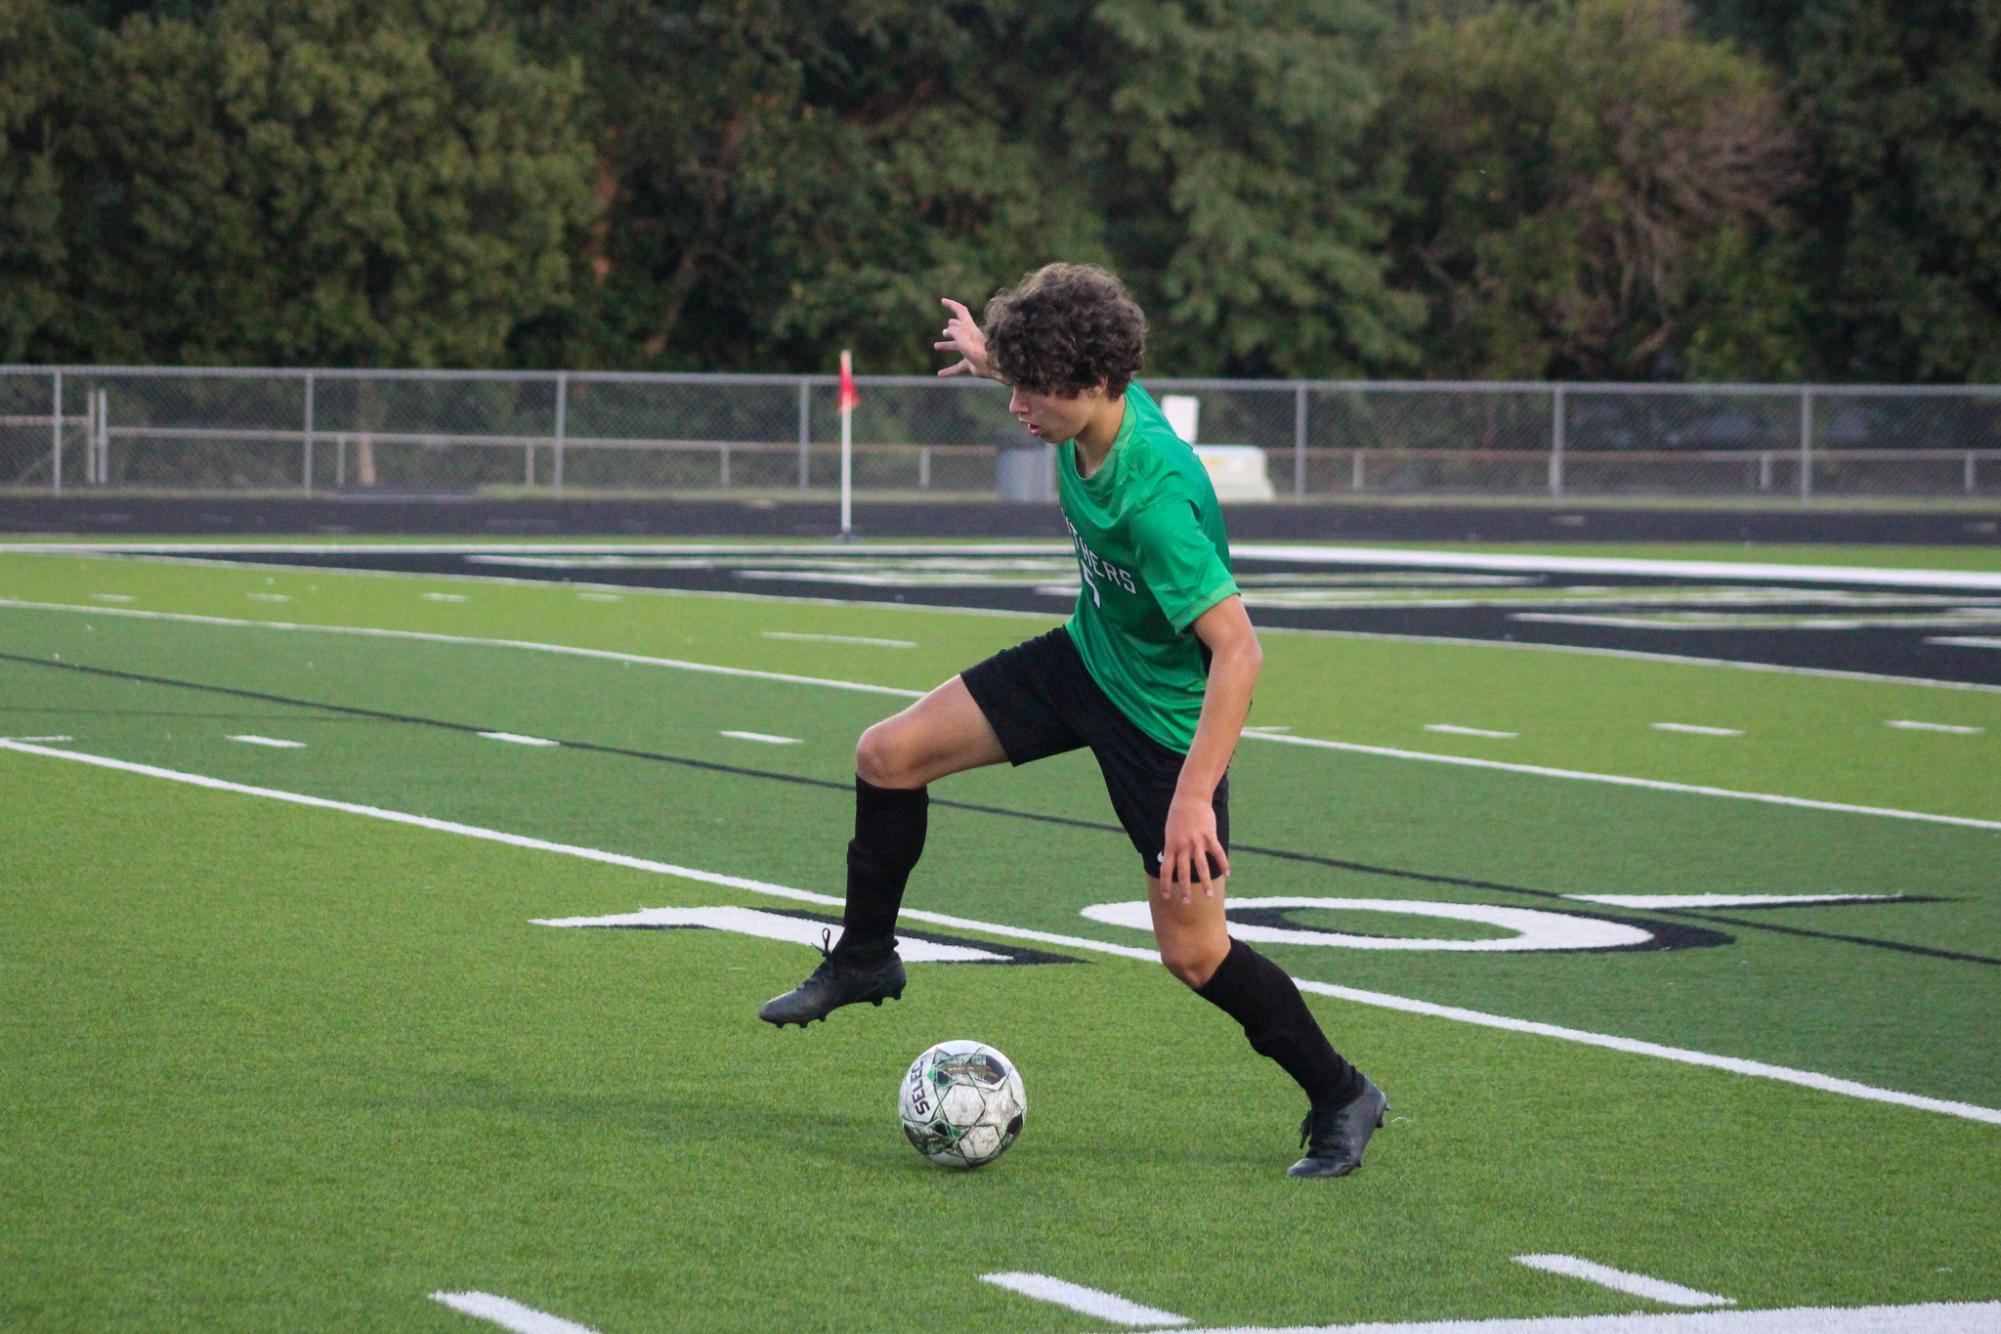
[(1192, 962), (880, 760), (873, 756)]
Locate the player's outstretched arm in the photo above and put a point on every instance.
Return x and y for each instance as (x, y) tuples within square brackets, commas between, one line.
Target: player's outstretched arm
[(963, 336)]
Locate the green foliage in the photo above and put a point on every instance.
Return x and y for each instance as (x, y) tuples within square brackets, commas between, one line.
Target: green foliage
[(783, 183), (1734, 189), (338, 183), (1904, 102), (1899, 229), (37, 56), (1576, 172)]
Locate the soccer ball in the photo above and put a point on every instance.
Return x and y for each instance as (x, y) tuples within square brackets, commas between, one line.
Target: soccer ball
[(961, 1104)]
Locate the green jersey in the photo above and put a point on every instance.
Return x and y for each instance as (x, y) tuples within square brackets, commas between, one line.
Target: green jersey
[(1150, 544)]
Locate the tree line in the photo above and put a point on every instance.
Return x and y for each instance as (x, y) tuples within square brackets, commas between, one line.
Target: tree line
[(1584, 189)]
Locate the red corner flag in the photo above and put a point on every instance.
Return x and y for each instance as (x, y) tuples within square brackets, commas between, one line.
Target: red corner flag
[(848, 397)]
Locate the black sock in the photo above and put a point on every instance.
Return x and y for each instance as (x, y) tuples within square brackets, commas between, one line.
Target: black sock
[(889, 838), (1256, 992)]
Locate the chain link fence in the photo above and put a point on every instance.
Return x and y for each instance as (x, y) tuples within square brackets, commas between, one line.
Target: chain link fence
[(454, 432)]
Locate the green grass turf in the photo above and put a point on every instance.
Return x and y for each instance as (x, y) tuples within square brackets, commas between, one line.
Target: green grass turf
[(304, 1078), (1817, 737), (1541, 835), (283, 1067)]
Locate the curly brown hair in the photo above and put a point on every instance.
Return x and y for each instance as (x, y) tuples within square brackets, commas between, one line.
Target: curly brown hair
[(1063, 328)]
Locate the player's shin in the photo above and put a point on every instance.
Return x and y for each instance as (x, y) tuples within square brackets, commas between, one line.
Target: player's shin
[(889, 838), (1258, 994)]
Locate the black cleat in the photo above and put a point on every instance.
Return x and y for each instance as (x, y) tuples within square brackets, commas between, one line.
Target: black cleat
[(836, 982), (1333, 1137)]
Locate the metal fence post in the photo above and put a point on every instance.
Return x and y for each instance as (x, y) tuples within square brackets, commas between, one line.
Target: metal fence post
[(805, 433), (56, 438), (1806, 443), (1556, 445), (309, 433), (1299, 440), (562, 429)]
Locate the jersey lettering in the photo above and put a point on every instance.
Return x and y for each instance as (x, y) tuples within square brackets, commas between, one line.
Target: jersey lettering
[(1093, 568)]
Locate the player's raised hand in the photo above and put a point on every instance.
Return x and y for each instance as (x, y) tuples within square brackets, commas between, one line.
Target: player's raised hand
[(963, 336)]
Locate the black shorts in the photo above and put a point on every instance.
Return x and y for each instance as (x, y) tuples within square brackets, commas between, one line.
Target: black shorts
[(1041, 701)]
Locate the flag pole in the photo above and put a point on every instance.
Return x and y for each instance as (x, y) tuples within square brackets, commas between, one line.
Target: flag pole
[(847, 402)]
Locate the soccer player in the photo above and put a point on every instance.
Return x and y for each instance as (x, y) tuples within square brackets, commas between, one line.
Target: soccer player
[(1153, 672)]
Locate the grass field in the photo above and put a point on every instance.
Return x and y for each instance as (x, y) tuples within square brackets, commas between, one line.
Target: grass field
[(284, 1042)]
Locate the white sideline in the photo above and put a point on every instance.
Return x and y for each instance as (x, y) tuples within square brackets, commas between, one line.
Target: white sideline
[(163, 557), (1625, 565), (1290, 551), (1620, 1280), (1622, 780), (429, 637), (1107, 1306), (1388, 752), (1924, 1318), (1685, 1056), (509, 1314), (839, 639)]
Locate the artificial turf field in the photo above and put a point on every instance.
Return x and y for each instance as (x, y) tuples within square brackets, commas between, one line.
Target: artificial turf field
[(280, 1063)]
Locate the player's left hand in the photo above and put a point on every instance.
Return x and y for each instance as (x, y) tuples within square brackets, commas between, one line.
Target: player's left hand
[(963, 336), (1191, 843)]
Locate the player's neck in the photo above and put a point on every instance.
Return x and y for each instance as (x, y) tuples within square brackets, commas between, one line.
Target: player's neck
[(1095, 441)]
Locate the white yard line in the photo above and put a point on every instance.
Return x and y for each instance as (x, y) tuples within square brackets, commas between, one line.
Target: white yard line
[(1298, 553), (1665, 569), (1695, 729), (270, 597), (1619, 1280), (37, 738), (1106, 1306), (165, 556), (509, 1314), (766, 737), (1660, 901), (445, 597), (1452, 729), (1352, 747), (1621, 780), (517, 739), (1643, 655), (1685, 1056), (273, 742), (1925, 1318), (1966, 641), (1909, 726), (840, 639), (113, 597), (428, 637)]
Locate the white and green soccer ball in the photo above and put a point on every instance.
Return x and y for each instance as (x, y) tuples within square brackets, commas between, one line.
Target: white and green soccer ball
[(961, 1103)]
